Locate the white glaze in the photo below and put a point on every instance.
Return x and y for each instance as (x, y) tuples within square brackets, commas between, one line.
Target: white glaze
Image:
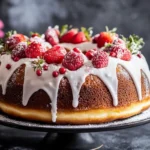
[(50, 85)]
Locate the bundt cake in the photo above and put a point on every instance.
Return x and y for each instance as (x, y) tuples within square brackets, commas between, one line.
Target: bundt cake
[(68, 76)]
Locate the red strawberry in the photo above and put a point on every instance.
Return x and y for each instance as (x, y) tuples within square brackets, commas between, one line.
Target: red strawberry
[(55, 55), (35, 34), (67, 37), (51, 36), (79, 38), (105, 37), (19, 50), (73, 60), (100, 59), (14, 39), (120, 52), (35, 50)]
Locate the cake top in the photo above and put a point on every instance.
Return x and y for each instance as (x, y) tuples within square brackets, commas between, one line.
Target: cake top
[(68, 46)]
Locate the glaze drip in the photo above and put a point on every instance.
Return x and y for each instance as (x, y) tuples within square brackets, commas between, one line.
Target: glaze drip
[(50, 85)]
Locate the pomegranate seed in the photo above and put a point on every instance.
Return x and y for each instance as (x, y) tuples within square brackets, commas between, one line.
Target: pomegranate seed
[(62, 70), (39, 72), (8, 66), (45, 67), (76, 50), (55, 74), (139, 55)]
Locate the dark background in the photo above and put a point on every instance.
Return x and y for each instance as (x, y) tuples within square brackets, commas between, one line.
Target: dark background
[(129, 16)]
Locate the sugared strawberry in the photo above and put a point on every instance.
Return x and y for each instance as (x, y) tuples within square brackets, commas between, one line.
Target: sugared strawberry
[(51, 36), (19, 51), (55, 54), (35, 50), (100, 59), (14, 39), (73, 60), (119, 42), (67, 37), (36, 39), (79, 38), (105, 37), (90, 53), (120, 52)]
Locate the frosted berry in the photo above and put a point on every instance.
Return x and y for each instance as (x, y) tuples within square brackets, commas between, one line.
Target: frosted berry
[(35, 50), (14, 39), (120, 52), (39, 72), (100, 59), (19, 51), (62, 70), (55, 74), (51, 36), (55, 54), (8, 66), (73, 60), (45, 67)]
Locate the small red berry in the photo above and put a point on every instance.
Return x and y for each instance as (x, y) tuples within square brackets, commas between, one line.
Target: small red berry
[(90, 53), (8, 66), (55, 54), (45, 67), (100, 59), (139, 55), (62, 70), (39, 72), (77, 50), (73, 60), (55, 74)]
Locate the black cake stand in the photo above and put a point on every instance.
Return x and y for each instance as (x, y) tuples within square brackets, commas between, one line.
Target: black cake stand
[(60, 135)]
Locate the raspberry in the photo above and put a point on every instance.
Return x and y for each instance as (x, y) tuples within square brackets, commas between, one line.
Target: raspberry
[(55, 74), (73, 60), (120, 52), (8, 66), (100, 59), (34, 50), (19, 51), (55, 55), (62, 70), (39, 72), (90, 53)]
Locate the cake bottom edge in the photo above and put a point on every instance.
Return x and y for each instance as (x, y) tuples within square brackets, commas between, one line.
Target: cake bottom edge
[(95, 116)]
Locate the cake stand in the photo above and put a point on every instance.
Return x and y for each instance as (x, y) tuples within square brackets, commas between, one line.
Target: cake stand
[(60, 135)]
